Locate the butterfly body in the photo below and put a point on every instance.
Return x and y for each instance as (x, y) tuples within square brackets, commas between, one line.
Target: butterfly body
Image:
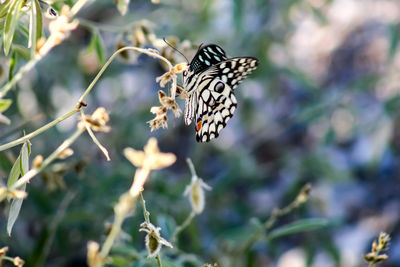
[(210, 82)]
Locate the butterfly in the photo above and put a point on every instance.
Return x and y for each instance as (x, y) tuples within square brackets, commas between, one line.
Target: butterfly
[(209, 82)]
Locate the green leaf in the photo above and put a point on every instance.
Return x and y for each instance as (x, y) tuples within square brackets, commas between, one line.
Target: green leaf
[(35, 25), (5, 104), (4, 9), (15, 208), (25, 152), (122, 6), (96, 44), (21, 50), (300, 226), (21, 166), (13, 61), (11, 24), (14, 173)]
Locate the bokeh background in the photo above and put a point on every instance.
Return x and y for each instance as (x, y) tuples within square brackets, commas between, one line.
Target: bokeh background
[(322, 108)]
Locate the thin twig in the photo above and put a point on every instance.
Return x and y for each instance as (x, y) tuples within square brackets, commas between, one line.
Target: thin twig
[(181, 227), (90, 132), (33, 172), (191, 167), (146, 214), (276, 214), (158, 258), (137, 49), (38, 131)]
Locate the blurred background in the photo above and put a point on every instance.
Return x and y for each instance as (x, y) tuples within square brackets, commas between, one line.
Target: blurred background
[(322, 108)]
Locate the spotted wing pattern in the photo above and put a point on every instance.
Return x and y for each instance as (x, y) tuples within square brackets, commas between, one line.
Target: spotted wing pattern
[(207, 56), (212, 101), (216, 105)]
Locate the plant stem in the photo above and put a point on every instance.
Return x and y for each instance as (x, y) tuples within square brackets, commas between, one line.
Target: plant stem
[(78, 105), (115, 229), (38, 131), (140, 50), (191, 167), (33, 172), (158, 258), (18, 76), (146, 214), (181, 227), (276, 214)]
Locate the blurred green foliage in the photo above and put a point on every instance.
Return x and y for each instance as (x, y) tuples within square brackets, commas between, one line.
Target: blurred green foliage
[(322, 108)]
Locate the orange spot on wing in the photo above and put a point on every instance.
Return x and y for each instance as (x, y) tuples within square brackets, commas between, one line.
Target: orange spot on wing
[(198, 126)]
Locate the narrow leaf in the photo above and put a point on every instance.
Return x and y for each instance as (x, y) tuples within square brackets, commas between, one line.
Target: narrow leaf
[(25, 152), (11, 24), (96, 45), (300, 226), (5, 104), (14, 173), (15, 208), (35, 26), (21, 50), (13, 61), (4, 8)]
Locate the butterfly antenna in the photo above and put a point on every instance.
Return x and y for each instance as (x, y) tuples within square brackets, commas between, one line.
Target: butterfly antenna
[(176, 50), (200, 46)]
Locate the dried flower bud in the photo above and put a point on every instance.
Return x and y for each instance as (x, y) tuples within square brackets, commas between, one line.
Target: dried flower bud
[(160, 121), (302, 197), (381, 258), (151, 157), (384, 240), (195, 192), (17, 194), (65, 153), (178, 68), (136, 157), (163, 79), (37, 161), (369, 257), (18, 261), (158, 110), (93, 255), (97, 121), (60, 29), (153, 239), (3, 251)]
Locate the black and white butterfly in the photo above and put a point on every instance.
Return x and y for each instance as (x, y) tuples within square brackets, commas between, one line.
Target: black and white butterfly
[(209, 83)]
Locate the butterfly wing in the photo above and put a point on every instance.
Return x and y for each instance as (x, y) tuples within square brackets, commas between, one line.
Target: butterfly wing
[(216, 105), (190, 108), (233, 70), (211, 79), (207, 56)]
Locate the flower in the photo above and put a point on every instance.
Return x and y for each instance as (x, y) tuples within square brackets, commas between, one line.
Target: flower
[(195, 191), (60, 29), (153, 239), (18, 261), (94, 258), (151, 157), (97, 121)]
